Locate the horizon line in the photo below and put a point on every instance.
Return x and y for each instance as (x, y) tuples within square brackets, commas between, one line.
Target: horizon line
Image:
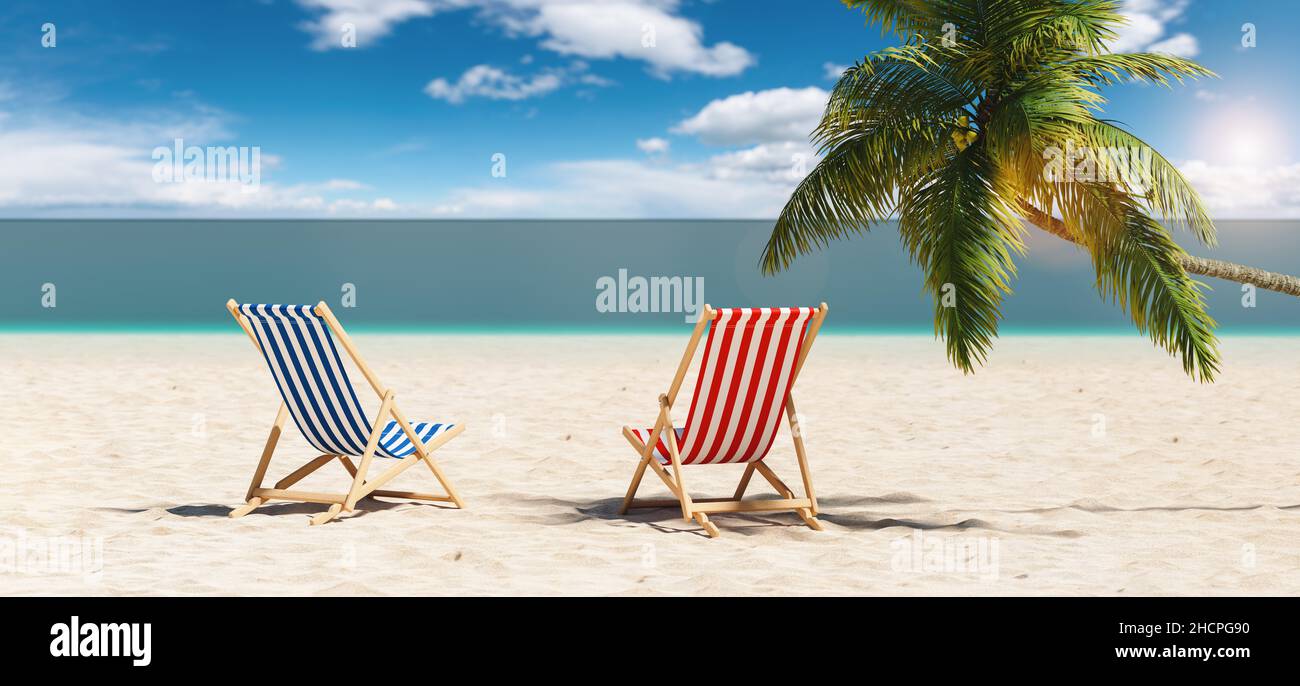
[(481, 219), (198, 328)]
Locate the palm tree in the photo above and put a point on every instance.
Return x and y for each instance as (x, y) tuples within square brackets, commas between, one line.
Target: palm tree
[(950, 131)]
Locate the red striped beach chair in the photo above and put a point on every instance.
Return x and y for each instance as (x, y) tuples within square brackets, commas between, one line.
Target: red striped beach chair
[(751, 359)]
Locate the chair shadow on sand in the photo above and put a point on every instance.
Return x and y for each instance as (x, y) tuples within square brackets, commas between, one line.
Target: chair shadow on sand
[(669, 520), (364, 506), (842, 512), (850, 520), (1102, 508)]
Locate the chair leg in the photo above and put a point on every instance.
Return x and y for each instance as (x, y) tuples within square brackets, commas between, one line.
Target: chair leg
[(688, 505), (674, 484), (744, 481), (636, 484), (354, 494), (327, 515), (800, 452), (809, 518), (807, 515), (675, 458), (425, 452), (252, 502), (304, 471), (709, 527), (347, 464), (767, 473), (442, 479)]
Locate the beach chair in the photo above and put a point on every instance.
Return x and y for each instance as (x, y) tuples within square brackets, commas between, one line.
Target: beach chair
[(751, 360), (297, 342)]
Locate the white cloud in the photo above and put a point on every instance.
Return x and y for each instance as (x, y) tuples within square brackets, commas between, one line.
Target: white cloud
[(1140, 31), (594, 80), (647, 30), (344, 185), (628, 189), (1147, 20), (779, 114), (495, 84), (753, 182), (633, 29), (94, 167), (1246, 191), (652, 146), (750, 182), (73, 165), (1181, 45), (834, 71), (373, 19), (1207, 95), (102, 168), (782, 163), (361, 208)]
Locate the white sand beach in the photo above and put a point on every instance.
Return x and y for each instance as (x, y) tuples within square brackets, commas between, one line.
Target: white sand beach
[(1083, 465)]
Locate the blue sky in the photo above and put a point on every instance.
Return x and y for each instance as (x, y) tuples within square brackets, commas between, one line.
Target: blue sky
[(593, 118)]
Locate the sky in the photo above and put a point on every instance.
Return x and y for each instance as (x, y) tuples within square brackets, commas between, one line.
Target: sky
[(537, 108)]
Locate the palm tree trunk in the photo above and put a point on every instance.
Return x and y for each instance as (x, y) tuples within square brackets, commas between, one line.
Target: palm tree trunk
[(1240, 273)]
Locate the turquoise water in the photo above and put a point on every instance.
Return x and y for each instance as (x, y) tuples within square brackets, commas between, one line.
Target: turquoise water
[(541, 276)]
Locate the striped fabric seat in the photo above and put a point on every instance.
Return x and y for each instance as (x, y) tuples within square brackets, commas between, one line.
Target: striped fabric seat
[(307, 369), (745, 376), (661, 448)]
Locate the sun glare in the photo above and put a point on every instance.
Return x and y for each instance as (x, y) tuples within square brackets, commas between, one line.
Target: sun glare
[(1247, 135)]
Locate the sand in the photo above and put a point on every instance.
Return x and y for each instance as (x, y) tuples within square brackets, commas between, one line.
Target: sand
[(1086, 465)]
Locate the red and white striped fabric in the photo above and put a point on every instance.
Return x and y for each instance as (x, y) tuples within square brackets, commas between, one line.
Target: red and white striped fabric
[(745, 375)]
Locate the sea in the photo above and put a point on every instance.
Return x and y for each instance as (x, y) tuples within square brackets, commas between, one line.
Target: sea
[(576, 276)]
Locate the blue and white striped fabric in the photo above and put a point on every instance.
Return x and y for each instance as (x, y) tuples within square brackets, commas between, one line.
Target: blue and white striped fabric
[(300, 352)]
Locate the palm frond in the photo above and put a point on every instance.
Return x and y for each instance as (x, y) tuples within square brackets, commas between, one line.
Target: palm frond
[(902, 17), (1165, 189), (958, 230), (1061, 28), (1115, 68), (1032, 121), (1139, 267), (894, 86), (853, 186)]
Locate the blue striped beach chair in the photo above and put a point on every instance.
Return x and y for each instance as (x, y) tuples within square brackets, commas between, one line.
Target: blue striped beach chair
[(298, 344)]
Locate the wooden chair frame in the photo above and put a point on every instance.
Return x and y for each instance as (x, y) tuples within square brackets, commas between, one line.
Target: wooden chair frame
[(361, 487), (700, 508)]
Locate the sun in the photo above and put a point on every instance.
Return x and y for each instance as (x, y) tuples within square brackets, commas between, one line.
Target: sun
[(1244, 134)]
